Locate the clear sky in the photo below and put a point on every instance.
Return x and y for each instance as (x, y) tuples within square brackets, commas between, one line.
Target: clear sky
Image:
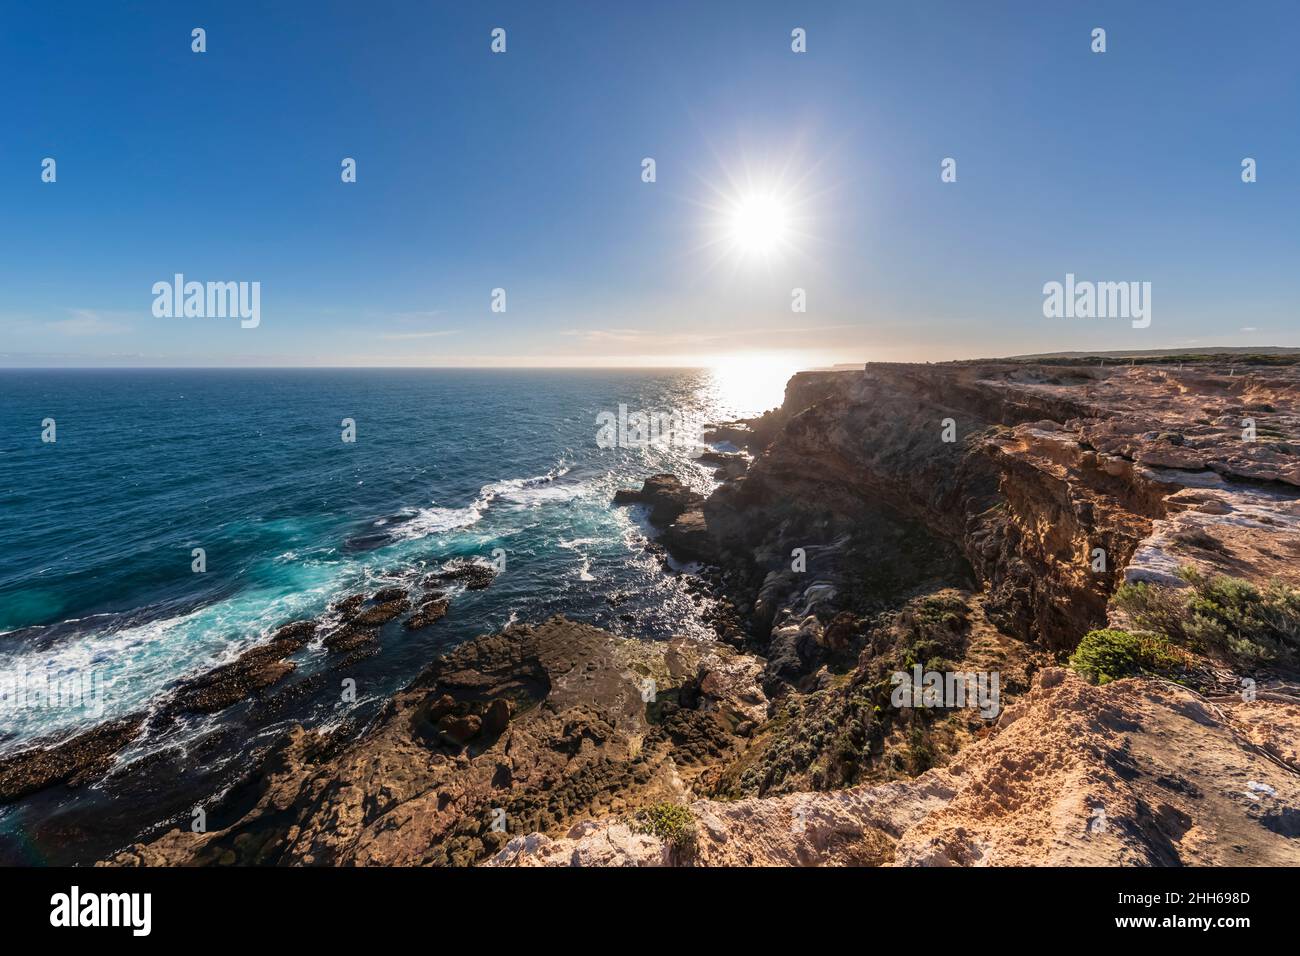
[(523, 171)]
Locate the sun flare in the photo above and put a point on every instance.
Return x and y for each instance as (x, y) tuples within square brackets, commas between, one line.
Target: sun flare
[(759, 215), (759, 224)]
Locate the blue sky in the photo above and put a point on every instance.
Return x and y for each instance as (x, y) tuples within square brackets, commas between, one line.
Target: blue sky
[(523, 171)]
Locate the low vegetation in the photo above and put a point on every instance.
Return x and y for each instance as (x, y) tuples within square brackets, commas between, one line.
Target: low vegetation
[(670, 822), (1109, 654), (1247, 626), (849, 731), (1281, 357)]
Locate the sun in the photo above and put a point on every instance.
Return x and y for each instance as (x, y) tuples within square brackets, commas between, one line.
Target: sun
[(758, 214), (759, 224)]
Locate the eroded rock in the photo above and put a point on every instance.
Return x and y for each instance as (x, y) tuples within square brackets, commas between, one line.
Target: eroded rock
[(72, 761), (546, 723), (665, 495)]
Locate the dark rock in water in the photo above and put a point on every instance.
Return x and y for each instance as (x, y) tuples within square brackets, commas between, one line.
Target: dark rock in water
[(75, 761), (473, 575), (228, 684), (719, 457), (381, 613), (385, 595), (740, 434), (348, 606), (290, 695), (295, 630), (666, 496), (347, 661), (728, 464), (688, 537), (350, 638), (426, 614)]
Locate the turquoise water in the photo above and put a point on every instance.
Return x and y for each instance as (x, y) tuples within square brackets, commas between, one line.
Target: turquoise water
[(97, 528)]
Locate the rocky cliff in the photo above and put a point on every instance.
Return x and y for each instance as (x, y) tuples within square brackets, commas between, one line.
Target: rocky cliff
[(1024, 470)]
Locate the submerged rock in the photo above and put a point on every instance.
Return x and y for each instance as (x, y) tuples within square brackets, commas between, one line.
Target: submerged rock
[(73, 761), (427, 613), (381, 613), (472, 574), (350, 638), (254, 670)]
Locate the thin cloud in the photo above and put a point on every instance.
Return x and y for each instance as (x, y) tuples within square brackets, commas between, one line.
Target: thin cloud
[(641, 336), (670, 339), (87, 322), (428, 334)]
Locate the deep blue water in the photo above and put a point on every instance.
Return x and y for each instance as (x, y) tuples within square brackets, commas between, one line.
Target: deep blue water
[(97, 528)]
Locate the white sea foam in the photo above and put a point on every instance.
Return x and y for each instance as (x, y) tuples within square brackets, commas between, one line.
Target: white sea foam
[(138, 664), (434, 520), (521, 492), (577, 545)]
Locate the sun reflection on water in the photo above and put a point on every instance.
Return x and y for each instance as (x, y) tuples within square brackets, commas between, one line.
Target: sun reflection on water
[(746, 385)]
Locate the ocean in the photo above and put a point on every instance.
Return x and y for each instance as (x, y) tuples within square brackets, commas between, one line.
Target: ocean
[(103, 613), (99, 527)]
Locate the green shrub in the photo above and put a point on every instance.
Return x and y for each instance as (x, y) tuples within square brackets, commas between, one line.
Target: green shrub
[(670, 822), (1160, 610), (1228, 617), (1109, 654)]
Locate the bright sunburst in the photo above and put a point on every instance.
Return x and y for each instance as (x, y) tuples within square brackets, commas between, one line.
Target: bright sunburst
[(759, 224), (758, 216)]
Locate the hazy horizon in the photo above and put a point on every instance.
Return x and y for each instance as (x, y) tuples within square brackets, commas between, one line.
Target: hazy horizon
[(777, 366)]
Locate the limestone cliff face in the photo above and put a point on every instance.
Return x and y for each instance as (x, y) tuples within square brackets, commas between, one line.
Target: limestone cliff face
[(1046, 481)]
